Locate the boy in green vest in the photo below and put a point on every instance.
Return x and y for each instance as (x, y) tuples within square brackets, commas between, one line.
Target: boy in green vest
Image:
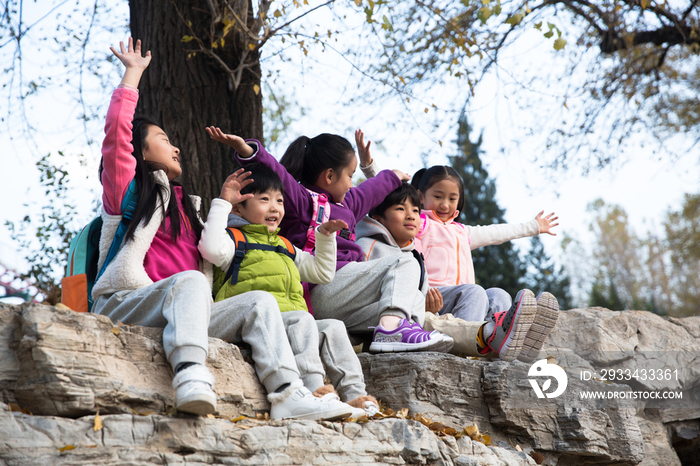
[(259, 259)]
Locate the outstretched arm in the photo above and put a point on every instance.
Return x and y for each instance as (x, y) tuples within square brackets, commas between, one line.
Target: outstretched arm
[(118, 163), (237, 142), (546, 223), (362, 149), (231, 190)]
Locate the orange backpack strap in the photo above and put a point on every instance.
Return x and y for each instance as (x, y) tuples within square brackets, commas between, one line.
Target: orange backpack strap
[(241, 242), (292, 252)]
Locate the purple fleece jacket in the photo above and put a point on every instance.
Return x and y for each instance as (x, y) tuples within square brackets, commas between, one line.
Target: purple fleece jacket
[(298, 206)]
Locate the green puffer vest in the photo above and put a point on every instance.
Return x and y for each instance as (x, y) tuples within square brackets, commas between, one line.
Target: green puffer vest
[(265, 271)]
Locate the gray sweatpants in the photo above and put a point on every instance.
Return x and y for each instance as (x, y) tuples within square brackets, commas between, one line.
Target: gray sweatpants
[(363, 292), (472, 303), (324, 343), (182, 306)]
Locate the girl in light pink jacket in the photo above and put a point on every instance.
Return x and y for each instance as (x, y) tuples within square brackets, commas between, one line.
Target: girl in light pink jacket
[(447, 244)]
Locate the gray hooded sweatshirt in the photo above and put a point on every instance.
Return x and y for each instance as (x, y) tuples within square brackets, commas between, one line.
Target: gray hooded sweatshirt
[(377, 242)]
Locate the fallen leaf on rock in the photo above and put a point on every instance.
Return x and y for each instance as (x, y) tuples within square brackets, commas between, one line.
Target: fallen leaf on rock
[(403, 414), (14, 407), (517, 447), (62, 306), (552, 360), (98, 421), (538, 457), (474, 434), (67, 448), (116, 331), (239, 418)]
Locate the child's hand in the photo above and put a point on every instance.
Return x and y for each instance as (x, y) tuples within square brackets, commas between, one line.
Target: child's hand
[(231, 190), (131, 57), (133, 61), (433, 301), (362, 149), (546, 223), (402, 176), (232, 140), (332, 226)]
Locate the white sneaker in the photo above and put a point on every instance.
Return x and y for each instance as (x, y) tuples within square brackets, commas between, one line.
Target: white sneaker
[(193, 390), (297, 402), (370, 410)]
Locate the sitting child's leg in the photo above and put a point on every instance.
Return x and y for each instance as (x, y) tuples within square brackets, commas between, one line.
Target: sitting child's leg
[(255, 318), (180, 305), (343, 367), (499, 300), (466, 302), (363, 292), (319, 344)]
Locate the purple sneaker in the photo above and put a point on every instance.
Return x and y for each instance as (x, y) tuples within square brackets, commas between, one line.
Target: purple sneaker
[(408, 337)]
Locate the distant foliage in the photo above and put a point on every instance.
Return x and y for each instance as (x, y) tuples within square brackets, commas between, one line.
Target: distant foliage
[(544, 275), (46, 236)]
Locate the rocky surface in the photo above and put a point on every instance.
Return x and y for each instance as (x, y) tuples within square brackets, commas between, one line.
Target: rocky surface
[(62, 367)]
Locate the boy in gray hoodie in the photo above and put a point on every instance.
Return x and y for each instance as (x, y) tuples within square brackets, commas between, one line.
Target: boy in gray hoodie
[(391, 228)]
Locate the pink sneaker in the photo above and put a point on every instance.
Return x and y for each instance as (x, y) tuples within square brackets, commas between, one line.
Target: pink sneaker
[(409, 337)]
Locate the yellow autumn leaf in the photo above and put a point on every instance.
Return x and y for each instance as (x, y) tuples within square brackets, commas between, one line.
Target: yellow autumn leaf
[(358, 2), (239, 418), (98, 422), (66, 448), (187, 38), (251, 46), (566, 106), (485, 439), (440, 142), (256, 89), (426, 110), (62, 306), (471, 430), (402, 81), (116, 331)]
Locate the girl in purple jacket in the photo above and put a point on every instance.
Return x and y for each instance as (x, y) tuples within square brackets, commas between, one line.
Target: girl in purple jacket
[(384, 294)]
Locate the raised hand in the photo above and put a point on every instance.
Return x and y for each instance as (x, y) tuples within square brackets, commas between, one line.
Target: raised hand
[(332, 226), (131, 56), (402, 176), (231, 190), (547, 223), (362, 149), (232, 140), (433, 301), (133, 61)]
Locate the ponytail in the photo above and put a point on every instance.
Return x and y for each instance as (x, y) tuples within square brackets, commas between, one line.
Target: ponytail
[(415, 181), (294, 156), (305, 159)]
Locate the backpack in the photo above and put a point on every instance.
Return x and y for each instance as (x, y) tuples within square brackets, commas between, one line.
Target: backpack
[(242, 246), (84, 254)]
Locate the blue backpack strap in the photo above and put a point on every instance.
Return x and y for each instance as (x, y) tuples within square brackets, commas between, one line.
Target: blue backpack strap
[(277, 249), (241, 241), (128, 208)]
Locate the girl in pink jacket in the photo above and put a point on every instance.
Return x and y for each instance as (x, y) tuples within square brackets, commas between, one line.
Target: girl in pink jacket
[(447, 244)]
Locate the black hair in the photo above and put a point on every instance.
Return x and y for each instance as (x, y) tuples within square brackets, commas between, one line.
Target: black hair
[(305, 159), (425, 178), (264, 179), (403, 193), (151, 194)]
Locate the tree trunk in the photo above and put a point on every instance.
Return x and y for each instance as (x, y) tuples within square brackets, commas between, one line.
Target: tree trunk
[(186, 92)]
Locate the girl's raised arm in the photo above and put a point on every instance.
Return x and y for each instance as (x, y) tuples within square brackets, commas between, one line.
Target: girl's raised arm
[(297, 198), (118, 162)]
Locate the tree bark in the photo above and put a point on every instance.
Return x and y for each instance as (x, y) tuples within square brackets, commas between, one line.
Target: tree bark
[(186, 92)]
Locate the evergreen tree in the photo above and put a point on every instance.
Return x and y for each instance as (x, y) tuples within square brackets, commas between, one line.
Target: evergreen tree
[(542, 275), (495, 266), (605, 295)]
